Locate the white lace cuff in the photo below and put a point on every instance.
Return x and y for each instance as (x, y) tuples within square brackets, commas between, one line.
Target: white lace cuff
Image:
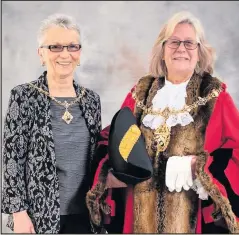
[(197, 186)]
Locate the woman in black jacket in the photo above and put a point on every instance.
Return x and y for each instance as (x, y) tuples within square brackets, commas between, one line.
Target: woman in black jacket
[(50, 132)]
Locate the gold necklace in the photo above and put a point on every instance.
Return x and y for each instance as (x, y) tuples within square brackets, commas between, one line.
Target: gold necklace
[(67, 116), (163, 132)]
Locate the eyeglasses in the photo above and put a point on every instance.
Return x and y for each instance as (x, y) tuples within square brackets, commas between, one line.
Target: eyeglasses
[(188, 44), (60, 48)]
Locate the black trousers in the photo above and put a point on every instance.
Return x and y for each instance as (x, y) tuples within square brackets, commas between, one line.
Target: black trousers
[(74, 224)]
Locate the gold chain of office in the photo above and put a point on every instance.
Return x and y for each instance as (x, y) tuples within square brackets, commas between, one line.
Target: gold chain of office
[(67, 116), (163, 132)]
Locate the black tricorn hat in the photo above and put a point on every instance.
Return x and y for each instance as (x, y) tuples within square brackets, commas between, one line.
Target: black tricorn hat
[(127, 151)]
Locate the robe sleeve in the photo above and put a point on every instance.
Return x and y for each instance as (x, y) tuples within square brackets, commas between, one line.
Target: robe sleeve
[(221, 171)]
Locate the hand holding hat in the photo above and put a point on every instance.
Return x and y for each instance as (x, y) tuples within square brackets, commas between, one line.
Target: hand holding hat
[(113, 182)]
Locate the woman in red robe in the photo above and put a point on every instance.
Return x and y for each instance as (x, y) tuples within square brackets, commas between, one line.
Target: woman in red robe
[(191, 131)]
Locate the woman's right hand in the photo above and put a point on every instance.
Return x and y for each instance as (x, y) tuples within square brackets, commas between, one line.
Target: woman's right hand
[(22, 223), (113, 182)]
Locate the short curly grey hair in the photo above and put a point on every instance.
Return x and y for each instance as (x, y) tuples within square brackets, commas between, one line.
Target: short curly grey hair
[(60, 20)]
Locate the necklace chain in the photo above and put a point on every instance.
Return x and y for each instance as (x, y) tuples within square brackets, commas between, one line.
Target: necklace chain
[(167, 112), (67, 116), (162, 133)]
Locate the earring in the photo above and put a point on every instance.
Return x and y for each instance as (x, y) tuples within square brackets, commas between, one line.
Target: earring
[(43, 64)]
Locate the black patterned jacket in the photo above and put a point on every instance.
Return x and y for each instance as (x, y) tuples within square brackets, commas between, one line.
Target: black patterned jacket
[(29, 162)]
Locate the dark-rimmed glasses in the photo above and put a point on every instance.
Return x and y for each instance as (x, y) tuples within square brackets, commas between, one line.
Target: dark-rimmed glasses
[(188, 44), (60, 48)]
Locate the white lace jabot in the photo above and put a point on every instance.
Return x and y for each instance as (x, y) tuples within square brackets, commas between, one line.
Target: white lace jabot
[(171, 96)]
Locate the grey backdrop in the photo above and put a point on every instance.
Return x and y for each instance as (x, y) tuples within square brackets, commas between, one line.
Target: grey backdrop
[(117, 38)]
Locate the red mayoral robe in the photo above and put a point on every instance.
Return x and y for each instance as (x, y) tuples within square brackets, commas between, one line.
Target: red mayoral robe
[(221, 168)]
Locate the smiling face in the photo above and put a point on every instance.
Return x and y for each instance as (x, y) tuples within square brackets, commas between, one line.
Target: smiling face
[(60, 64), (181, 61)]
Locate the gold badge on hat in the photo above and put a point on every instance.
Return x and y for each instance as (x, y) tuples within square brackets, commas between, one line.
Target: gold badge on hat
[(128, 141)]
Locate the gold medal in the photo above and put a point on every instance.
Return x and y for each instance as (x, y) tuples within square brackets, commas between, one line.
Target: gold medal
[(67, 117), (161, 138)]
